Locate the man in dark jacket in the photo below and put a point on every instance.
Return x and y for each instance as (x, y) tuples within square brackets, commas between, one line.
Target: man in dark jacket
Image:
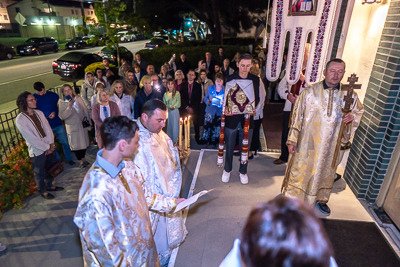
[(183, 64), (190, 101)]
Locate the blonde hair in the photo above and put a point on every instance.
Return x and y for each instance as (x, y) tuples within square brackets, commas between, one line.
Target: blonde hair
[(181, 72), (98, 98), (144, 78), (255, 69), (61, 91), (112, 91)]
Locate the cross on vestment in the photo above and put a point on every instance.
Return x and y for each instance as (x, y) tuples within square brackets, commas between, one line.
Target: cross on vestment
[(348, 102)]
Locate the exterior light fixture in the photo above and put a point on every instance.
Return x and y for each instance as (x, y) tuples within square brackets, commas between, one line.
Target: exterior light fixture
[(50, 22), (371, 1)]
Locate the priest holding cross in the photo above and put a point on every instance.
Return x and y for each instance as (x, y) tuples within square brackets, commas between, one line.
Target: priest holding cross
[(324, 116)]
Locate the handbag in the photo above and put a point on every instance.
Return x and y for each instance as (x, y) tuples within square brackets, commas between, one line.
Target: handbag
[(85, 122), (56, 168)]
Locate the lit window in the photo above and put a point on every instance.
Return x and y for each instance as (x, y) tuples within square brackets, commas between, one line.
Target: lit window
[(48, 10), (5, 17)]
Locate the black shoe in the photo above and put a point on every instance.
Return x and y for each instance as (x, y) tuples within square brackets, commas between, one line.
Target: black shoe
[(47, 196), (236, 154), (323, 207), (252, 156), (338, 177), (279, 161), (57, 188), (71, 162)]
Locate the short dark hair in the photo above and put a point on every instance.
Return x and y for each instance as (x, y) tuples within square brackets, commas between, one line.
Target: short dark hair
[(124, 59), (336, 60), (38, 86), (245, 56), (116, 128), (219, 75), (21, 101), (201, 71), (183, 53), (151, 105), (192, 71), (220, 48), (104, 58), (98, 69), (284, 232)]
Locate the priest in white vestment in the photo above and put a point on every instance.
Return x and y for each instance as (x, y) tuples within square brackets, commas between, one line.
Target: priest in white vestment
[(159, 162), (112, 214)]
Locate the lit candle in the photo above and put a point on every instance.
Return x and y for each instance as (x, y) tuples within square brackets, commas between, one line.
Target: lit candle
[(180, 134), (188, 129), (184, 126)]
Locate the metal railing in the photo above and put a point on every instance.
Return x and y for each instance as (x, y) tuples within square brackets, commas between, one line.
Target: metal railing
[(9, 134)]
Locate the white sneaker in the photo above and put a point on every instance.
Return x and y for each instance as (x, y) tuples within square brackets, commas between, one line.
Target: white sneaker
[(225, 176), (244, 179), (2, 247)]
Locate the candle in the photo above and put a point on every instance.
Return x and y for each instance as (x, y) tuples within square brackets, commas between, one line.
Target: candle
[(184, 126), (180, 134), (188, 129)]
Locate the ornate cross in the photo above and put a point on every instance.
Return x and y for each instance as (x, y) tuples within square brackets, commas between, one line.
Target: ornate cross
[(348, 99)]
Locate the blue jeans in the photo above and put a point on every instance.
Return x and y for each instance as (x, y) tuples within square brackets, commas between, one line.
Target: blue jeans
[(40, 164), (62, 136)]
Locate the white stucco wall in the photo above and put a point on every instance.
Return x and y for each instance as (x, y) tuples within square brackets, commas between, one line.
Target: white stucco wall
[(363, 36)]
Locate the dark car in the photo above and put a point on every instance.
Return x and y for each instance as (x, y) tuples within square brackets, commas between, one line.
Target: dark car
[(156, 42), (6, 52), (73, 64), (111, 54), (77, 43), (38, 46)]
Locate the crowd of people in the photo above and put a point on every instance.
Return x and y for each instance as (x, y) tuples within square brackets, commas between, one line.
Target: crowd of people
[(133, 116)]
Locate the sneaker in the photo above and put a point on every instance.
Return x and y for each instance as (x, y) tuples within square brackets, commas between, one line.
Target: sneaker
[(2, 247), (71, 162), (226, 176), (244, 179), (323, 207)]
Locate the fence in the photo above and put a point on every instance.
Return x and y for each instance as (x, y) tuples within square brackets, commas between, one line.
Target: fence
[(9, 134)]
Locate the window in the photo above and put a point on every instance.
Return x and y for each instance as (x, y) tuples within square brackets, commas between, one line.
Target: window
[(17, 9), (76, 11), (91, 12), (48, 10), (88, 13), (5, 17), (72, 11), (2, 4)]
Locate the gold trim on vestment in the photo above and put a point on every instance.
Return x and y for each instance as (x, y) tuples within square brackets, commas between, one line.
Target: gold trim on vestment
[(120, 175)]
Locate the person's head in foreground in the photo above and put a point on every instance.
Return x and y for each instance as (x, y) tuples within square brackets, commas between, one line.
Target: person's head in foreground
[(284, 233), (120, 134), (154, 115)]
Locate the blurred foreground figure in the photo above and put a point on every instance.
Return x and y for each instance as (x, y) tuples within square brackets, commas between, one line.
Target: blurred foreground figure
[(283, 232)]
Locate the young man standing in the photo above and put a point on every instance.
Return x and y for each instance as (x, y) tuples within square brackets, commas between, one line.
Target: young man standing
[(114, 203), (234, 124), (47, 102)]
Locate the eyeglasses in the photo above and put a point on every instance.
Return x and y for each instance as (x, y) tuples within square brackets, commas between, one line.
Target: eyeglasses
[(34, 99)]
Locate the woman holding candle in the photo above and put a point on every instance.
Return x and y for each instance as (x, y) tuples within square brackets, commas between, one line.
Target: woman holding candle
[(214, 100), (172, 99)]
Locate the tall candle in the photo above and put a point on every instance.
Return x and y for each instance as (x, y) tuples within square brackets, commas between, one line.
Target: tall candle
[(186, 136), (180, 134), (188, 129)]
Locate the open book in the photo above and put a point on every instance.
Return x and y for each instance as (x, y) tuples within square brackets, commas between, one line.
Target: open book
[(191, 200)]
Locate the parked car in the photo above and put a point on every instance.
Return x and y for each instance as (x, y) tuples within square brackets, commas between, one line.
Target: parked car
[(156, 42), (77, 43), (38, 46), (125, 36), (139, 36), (73, 64), (111, 54), (6, 52)]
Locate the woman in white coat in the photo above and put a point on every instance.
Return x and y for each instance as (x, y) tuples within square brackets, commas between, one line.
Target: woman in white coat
[(73, 110), (122, 98)]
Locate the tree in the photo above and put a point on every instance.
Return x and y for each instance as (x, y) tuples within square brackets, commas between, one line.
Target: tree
[(236, 15), (110, 15)]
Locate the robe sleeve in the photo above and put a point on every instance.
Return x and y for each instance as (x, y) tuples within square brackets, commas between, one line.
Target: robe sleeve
[(156, 202), (350, 128), (297, 119), (99, 233)]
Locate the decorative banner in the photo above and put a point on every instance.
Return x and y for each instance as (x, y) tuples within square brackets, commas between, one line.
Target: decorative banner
[(300, 23)]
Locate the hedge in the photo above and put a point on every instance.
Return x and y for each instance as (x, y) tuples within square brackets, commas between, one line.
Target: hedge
[(159, 56), (92, 67)]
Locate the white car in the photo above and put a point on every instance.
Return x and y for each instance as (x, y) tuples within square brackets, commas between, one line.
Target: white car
[(125, 36)]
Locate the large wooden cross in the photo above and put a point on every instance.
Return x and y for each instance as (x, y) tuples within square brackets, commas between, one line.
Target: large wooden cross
[(348, 99), (348, 102)]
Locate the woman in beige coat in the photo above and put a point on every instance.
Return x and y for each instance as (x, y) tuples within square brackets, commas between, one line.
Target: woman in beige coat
[(73, 110)]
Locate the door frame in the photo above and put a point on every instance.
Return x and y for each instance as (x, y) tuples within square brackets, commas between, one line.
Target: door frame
[(391, 171)]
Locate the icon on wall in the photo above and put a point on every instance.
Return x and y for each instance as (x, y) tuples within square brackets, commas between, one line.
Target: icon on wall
[(302, 7)]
